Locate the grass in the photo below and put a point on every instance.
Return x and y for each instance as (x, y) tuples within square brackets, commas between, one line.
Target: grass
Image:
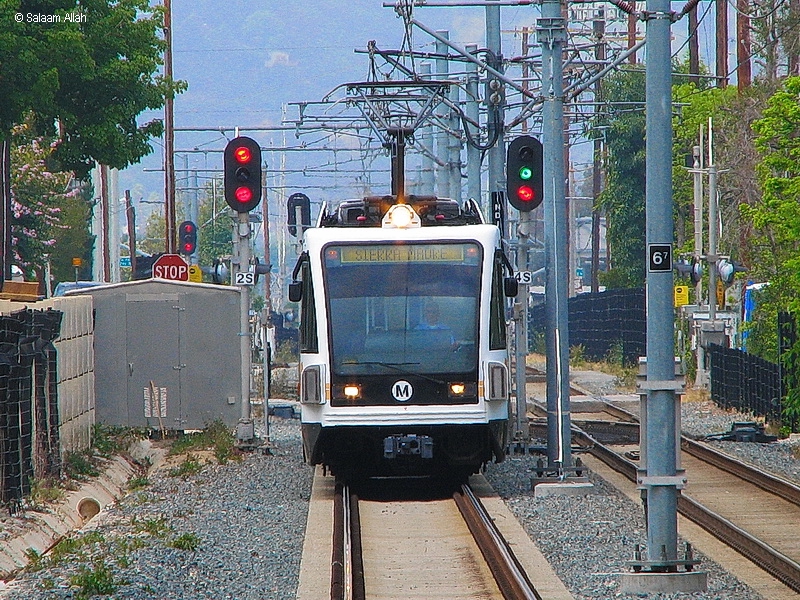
[(95, 580), (613, 364), (185, 541), (216, 437), (137, 483), (46, 491), (190, 466), (156, 527)]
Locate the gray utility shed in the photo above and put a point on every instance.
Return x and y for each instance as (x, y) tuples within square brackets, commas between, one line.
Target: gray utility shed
[(167, 354)]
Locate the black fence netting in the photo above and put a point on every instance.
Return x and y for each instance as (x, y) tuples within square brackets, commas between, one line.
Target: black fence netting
[(29, 442), (745, 382), (605, 322)]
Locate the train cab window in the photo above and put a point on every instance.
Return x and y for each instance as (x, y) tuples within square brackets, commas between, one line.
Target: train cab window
[(497, 317), (308, 312), (409, 307)]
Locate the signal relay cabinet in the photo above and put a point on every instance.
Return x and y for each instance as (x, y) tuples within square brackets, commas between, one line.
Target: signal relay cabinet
[(167, 354)]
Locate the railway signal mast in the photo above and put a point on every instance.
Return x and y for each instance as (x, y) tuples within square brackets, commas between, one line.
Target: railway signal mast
[(242, 182)]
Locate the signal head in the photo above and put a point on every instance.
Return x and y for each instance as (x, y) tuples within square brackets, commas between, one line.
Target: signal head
[(524, 173), (242, 174), (187, 235)]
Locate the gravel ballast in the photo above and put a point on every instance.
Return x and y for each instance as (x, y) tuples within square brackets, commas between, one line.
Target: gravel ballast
[(247, 519)]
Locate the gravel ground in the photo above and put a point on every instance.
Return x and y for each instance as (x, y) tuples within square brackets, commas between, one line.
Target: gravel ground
[(248, 517), (589, 539), (249, 521)]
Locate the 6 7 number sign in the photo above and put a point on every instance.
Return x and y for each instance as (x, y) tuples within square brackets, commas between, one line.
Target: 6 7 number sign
[(660, 257)]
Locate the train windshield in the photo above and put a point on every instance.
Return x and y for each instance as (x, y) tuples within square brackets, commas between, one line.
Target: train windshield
[(403, 307)]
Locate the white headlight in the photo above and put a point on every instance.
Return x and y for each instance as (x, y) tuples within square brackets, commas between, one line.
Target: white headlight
[(401, 216)]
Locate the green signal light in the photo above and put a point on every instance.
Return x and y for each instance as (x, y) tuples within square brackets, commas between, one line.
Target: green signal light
[(525, 173)]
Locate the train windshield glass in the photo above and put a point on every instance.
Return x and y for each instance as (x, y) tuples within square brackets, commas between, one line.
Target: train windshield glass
[(403, 307)]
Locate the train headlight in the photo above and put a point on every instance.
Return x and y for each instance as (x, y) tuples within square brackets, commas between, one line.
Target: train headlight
[(352, 391), (401, 216), (457, 389)]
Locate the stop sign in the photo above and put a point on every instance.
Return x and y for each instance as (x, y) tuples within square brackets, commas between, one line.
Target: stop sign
[(171, 266)]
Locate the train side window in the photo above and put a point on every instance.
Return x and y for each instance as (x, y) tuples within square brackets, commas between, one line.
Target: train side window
[(497, 319), (308, 312)]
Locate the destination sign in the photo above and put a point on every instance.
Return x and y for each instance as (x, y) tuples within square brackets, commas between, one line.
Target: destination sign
[(436, 253)]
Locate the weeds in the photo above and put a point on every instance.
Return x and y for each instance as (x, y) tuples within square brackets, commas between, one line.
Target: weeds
[(216, 436), (155, 527), (97, 580), (46, 491), (190, 466), (137, 483), (70, 548), (185, 541)]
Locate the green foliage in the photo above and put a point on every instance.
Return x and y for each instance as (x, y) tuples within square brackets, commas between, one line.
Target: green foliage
[(80, 466), (156, 527), (137, 483), (623, 199), (185, 541), (154, 234), (190, 466), (96, 580), (214, 226), (46, 491), (776, 222), (216, 436), (39, 196), (93, 77), (71, 548)]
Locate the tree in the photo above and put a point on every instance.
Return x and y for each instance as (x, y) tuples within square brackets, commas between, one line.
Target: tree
[(84, 80), (623, 199), (776, 220), (213, 227), (39, 199)]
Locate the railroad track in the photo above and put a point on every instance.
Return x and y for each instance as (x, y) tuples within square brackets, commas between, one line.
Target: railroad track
[(742, 506), (448, 547)]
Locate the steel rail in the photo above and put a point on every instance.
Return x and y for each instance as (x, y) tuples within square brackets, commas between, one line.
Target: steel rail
[(774, 562), (347, 564), (766, 481), (508, 573)]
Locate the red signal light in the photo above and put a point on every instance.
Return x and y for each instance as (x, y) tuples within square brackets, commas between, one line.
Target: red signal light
[(525, 193), (243, 194), (242, 154)]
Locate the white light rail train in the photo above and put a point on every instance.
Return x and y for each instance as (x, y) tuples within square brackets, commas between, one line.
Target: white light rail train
[(404, 366)]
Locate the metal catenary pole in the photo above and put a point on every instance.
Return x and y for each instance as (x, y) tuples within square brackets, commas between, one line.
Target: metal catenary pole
[(472, 110), (551, 33), (442, 149), (660, 482)]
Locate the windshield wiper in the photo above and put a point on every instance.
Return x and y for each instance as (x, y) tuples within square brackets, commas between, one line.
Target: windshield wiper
[(396, 367)]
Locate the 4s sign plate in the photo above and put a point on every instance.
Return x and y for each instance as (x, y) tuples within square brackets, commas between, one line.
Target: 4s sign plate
[(660, 257)]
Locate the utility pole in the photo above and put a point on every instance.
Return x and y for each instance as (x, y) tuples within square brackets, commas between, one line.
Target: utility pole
[(743, 72), (427, 180), (694, 47), (169, 137), (497, 153), (722, 43)]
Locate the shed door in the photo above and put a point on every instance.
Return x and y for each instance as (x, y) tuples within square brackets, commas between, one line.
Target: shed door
[(154, 360)]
